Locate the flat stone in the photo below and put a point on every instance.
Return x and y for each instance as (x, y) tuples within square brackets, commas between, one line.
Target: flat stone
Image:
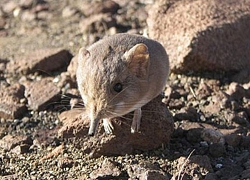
[(198, 35), (8, 142), (10, 101), (108, 169), (42, 60), (156, 128), (41, 94)]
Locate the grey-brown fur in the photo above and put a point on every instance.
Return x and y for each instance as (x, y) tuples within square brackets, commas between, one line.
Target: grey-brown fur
[(139, 64)]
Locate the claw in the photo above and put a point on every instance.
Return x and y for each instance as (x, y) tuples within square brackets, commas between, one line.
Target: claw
[(136, 121), (108, 127)]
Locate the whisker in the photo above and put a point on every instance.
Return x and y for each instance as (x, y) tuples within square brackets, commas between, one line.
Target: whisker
[(121, 116), (117, 95)]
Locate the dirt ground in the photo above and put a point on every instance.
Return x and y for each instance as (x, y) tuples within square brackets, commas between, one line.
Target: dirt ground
[(212, 114)]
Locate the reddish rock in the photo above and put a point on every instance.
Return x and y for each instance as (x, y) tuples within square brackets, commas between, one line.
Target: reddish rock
[(203, 91), (41, 93), (8, 142), (108, 169), (54, 153), (146, 170), (42, 60), (202, 35), (11, 106), (156, 128), (72, 68), (73, 124)]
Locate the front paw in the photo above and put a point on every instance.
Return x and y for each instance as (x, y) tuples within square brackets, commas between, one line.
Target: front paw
[(108, 127)]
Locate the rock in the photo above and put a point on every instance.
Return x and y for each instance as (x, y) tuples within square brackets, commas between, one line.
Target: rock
[(73, 124), (21, 149), (41, 94), (156, 128), (9, 142), (245, 174), (41, 6), (217, 149), (211, 176), (195, 166), (241, 118), (54, 153), (28, 16), (27, 3), (107, 170), (242, 77), (230, 171), (146, 170), (97, 23), (212, 136), (65, 163), (235, 91), (233, 139), (203, 91), (97, 7), (42, 60), (2, 23), (68, 12), (245, 141), (11, 106), (200, 33), (187, 113), (2, 62), (10, 6)]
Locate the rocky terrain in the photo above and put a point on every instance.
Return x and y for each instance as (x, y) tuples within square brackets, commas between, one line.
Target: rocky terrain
[(199, 129)]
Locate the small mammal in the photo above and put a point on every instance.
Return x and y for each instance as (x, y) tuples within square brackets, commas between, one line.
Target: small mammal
[(119, 74)]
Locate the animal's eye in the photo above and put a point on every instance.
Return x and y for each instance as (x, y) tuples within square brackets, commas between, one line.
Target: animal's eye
[(117, 87)]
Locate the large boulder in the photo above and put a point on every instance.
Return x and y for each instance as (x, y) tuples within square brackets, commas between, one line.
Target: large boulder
[(203, 35)]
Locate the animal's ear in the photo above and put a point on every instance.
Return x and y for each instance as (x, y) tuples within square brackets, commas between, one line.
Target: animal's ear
[(138, 60), (83, 54)]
